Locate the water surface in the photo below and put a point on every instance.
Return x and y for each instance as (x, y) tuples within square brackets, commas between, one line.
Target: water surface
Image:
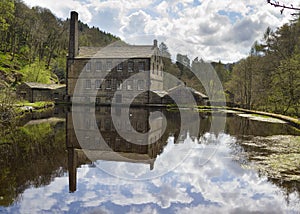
[(250, 166)]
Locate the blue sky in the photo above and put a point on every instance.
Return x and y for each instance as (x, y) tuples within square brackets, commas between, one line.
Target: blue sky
[(212, 29)]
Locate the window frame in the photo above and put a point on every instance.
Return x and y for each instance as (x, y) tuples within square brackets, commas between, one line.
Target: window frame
[(97, 84), (128, 84), (88, 67), (120, 66), (109, 65), (98, 66), (88, 84), (108, 83), (139, 82), (130, 66), (144, 66)]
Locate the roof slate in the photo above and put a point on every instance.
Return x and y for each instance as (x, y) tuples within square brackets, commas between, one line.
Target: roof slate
[(121, 51), (44, 86)]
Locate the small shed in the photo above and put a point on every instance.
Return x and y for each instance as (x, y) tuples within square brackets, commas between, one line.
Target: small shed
[(34, 92), (181, 93)]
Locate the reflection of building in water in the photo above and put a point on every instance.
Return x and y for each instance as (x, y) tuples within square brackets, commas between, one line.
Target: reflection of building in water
[(142, 142)]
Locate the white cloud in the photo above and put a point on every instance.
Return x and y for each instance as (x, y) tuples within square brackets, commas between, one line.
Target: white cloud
[(214, 35), (135, 23), (62, 8)]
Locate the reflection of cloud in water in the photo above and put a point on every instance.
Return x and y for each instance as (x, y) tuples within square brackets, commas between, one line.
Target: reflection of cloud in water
[(170, 158), (220, 185)]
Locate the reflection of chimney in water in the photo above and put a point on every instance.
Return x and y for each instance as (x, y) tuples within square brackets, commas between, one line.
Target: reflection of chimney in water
[(72, 163), (73, 42)]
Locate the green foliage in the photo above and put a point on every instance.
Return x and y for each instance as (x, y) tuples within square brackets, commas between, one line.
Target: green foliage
[(269, 79), (285, 92), (164, 51), (6, 14), (36, 132), (222, 72), (36, 72), (94, 36), (58, 67), (7, 111), (36, 41), (244, 81), (31, 156), (36, 105)]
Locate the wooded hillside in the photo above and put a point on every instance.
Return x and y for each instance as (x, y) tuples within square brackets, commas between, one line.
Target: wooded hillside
[(34, 43)]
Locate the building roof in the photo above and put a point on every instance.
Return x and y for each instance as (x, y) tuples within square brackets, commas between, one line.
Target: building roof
[(179, 87), (198, 93), (131, 157), (37, 85), (160, 93), (117, 50)]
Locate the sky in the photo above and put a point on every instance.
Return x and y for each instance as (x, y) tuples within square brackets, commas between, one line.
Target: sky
[(210, 29)]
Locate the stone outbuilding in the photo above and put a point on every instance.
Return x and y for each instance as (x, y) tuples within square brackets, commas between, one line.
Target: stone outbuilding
[(184, 95), (34, 92)]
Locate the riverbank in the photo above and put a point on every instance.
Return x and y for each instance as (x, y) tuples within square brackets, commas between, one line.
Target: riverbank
[(290, 120), (22, 107)]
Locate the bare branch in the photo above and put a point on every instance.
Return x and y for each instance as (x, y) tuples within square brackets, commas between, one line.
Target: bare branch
[(283, 6)]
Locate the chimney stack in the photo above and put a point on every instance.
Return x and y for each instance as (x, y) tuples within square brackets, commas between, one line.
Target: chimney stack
[(155, 43), (73, 42)]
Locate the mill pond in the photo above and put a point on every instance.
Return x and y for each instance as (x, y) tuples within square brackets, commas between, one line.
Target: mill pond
[(51, 164)]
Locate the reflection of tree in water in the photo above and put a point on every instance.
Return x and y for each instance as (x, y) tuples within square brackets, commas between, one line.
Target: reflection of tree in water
[(174, 123), (241, 126), (34, 159)]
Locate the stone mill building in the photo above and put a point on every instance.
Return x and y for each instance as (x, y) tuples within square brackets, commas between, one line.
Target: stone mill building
[(118, 72)]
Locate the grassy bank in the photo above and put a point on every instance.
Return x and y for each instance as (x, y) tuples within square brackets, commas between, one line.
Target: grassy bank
[(291, 120), (36, 105)]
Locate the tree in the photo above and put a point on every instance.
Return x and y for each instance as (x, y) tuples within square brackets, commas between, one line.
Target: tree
[(183, 63), (243, 81), (222, 72), (7, 111), (7, 8), (286, 86), (34, 37), (268, 79), (36, 72), (164, 51), (210, 82), (20, 28), (6, 13)]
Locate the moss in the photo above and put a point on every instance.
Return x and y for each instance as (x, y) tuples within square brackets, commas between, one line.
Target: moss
[(277, 157), (260, 115), (204, 110), (281, 166)]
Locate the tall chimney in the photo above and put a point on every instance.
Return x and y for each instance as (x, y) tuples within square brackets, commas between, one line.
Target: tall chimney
[(155, 43), (73, 42)]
